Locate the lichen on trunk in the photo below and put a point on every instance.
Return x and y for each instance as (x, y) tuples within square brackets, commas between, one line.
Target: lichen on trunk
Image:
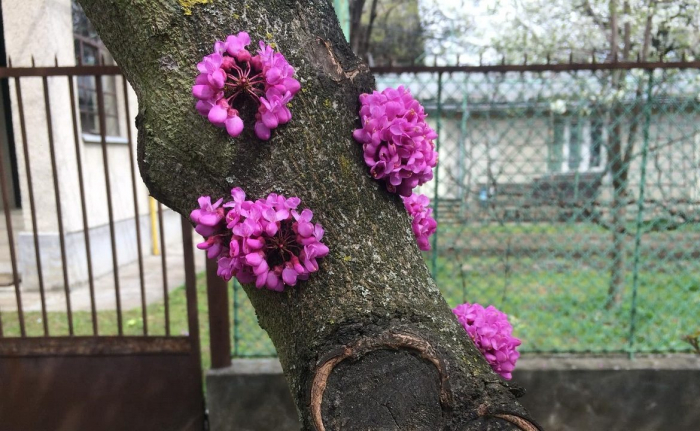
[(371, 324)]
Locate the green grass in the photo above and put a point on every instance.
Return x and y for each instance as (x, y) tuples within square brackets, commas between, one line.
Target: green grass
[(132, 321), (659, 225), (561, 307), (555, 304)]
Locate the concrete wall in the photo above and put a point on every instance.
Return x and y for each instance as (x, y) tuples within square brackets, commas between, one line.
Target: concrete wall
[(251, 395), (563, 393), (100, 247)]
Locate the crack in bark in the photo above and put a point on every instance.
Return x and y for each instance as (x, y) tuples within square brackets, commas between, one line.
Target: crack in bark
[(387, 340), (386, 406), (339, 70)]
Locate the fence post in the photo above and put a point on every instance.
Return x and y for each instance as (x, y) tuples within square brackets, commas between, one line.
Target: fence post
[(436, 179), (640, 209), (219, 322), (191, 288)]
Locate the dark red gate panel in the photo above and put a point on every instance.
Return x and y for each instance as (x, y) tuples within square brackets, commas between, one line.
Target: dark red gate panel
[(93, 383), (124, 383)]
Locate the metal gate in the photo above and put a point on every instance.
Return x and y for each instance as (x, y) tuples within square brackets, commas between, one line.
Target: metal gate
[(83, 343)]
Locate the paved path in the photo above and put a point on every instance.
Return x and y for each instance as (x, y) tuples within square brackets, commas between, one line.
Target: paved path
[(129, 284)]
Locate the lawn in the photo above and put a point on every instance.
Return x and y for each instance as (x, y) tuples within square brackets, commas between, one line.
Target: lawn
[(132, 320), (555, 305), (559, 304)]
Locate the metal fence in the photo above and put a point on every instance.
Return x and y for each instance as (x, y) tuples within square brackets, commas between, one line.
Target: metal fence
[(88, 293), (75, 208), (566, 195)]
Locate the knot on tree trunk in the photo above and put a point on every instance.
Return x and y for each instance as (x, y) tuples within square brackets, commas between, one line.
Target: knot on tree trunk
[(413, 395), (394, 380)]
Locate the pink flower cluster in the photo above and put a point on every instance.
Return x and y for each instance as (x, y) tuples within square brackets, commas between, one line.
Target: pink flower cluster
[(230, 77), (397, 142), (491, 332), (424, 225), (267, 241)]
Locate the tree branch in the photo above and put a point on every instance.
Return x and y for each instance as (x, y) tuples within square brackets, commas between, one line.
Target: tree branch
[(374, 280)]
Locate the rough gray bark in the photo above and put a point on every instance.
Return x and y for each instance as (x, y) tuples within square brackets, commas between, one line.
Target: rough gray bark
[(368, 342)]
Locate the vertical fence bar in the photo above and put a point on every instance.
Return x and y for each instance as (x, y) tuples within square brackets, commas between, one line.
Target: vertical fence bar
[(437, 177), (236, 321), (191, 289), (11, 242), (32, 206), (110, 210), (640, 209), (57, 194), (81, 188), (463, 192), (219, 324), (164, 268), (137, 218)]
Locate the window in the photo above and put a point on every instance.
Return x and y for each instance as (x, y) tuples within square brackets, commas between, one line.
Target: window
[(576, 144), (89, 50)]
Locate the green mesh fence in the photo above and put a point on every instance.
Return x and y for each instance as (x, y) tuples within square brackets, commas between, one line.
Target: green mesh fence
[(570, 200)]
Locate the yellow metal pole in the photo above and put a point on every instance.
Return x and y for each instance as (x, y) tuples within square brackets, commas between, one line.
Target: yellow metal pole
[(154, 224)]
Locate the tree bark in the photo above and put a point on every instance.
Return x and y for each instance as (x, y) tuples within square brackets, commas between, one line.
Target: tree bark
[(618, 170), (368, 342), (356, 9)]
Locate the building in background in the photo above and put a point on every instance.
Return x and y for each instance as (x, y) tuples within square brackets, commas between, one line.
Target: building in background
[(45, 33)]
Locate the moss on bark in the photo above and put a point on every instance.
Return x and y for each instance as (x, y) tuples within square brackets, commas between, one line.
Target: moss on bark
[(374, 281)]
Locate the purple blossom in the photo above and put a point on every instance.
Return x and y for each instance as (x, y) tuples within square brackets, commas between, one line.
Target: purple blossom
[(423, 224), (231, 76), (208, 216), (273, 112), (491, 332), (397, 142), (267, 241)]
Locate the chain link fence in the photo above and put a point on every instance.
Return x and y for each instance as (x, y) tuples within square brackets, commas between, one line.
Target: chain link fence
[(569, 198)]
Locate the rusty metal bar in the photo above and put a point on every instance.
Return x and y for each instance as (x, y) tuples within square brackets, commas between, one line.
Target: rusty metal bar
[(32, 206), (555, 67), (115, 70), (86, 227), (17, 72), (57, 194), (191, 289), (164, 268), (110, 210), (93, 346), (219, 321), (11, 242), (144, 313)]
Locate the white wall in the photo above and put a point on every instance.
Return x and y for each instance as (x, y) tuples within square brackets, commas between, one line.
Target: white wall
[(43, 29), (515, 150)]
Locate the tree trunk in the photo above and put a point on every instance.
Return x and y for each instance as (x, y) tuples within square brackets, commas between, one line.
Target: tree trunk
[(618, 171), (356, 9), (619, 239), (368, 342)]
